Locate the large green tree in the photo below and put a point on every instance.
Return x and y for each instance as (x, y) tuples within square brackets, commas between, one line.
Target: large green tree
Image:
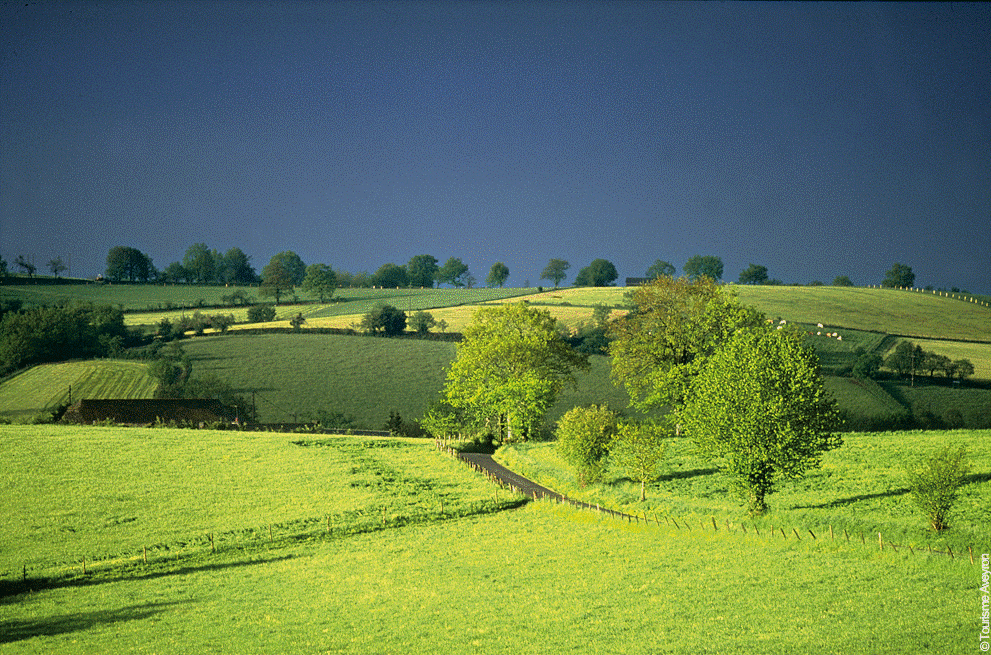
[(498, 275), (708, 265), (659, 268), (454, 272), (754, 274), (509, 369), (320, 280), (129, 264), (422, 269), (759, 405), (235, 268), (201, 263), (390, 276), (899, 275), (555, 271), (675, 324), (282, 273), (600, 273)]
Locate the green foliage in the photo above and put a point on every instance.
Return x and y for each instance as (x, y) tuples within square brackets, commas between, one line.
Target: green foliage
[(754, 274), (422, 269), (556, 271), (200, 263), (390, 276), (453, 272), (899, 275), (283, 272), (509, 369), (54, 334), (674, 326), (584, 437), (659, 268), (297, 321), (639, 450), (867, 365), (600, 273), (320, 280), (842, 281), (759, 404), (935, 481), (708, 266), (498, 275), (234, 267), (130, 264), (261, 313), (422, 321), (384, 319)]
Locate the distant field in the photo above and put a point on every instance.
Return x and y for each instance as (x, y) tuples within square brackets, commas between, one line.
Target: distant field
[(884, 310), (396, 575), (46, 386), (366, 377), (979, 354)]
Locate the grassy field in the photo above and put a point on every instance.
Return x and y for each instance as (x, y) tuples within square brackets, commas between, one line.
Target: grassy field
[(105, 493), (894, 312), (45, 387), (295, 376), (541, 579), (860, 488)]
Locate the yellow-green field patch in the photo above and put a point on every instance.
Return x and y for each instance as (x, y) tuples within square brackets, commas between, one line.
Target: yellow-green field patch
[(46, 386)]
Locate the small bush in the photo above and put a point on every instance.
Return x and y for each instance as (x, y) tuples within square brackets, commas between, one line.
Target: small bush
[(261, 313), (584, 436), (934, 482)]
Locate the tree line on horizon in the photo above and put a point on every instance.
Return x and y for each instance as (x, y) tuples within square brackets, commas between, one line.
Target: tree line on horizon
[(202, 265)]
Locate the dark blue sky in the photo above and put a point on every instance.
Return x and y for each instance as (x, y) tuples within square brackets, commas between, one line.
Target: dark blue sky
[(815, 139)]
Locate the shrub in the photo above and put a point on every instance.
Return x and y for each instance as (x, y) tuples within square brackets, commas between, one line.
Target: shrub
[(934, 481), (584, 435), (261, 313), (422, 321), (867, 366), (384, 319)]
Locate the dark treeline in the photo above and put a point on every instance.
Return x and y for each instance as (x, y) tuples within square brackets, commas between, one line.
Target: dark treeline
[(54, 334)]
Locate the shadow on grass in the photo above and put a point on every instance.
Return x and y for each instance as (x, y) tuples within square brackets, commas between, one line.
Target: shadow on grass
[(161, 569), (12, 631), (840, 502), (692, 473)]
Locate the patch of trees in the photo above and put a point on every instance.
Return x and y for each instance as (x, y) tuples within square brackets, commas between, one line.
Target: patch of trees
[(909, 360), (54, 334), (600, 273), (748, 395), (708, 266)]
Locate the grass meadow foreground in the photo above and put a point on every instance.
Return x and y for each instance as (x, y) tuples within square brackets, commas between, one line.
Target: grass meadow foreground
[(396, 574)]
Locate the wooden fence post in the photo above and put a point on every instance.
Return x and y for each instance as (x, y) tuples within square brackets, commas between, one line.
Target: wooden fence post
[(880, 541)]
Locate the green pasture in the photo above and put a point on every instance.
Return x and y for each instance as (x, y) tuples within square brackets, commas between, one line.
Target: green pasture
[(921, 315), (295, 376), (46, 386), (860, 488), (107, 493), (542, 579)]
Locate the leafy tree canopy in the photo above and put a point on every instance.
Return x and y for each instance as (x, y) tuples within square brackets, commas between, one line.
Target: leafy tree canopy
[(498, 275), (600, 273), (556, 271), (754, 274), (899, 275), (675, 324), (422, 270), (760, 405), (842, 281), (391, 276), (130, 264), (454, 272), (320, 280), (584, 435), (659, 268), (709, 266), (509, 368), (283, 272)]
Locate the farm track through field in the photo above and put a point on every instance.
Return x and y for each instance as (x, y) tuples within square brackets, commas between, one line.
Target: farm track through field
[(484, 463)]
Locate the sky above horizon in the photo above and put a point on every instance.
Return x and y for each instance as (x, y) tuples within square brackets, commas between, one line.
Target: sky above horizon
[(816, 139)]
